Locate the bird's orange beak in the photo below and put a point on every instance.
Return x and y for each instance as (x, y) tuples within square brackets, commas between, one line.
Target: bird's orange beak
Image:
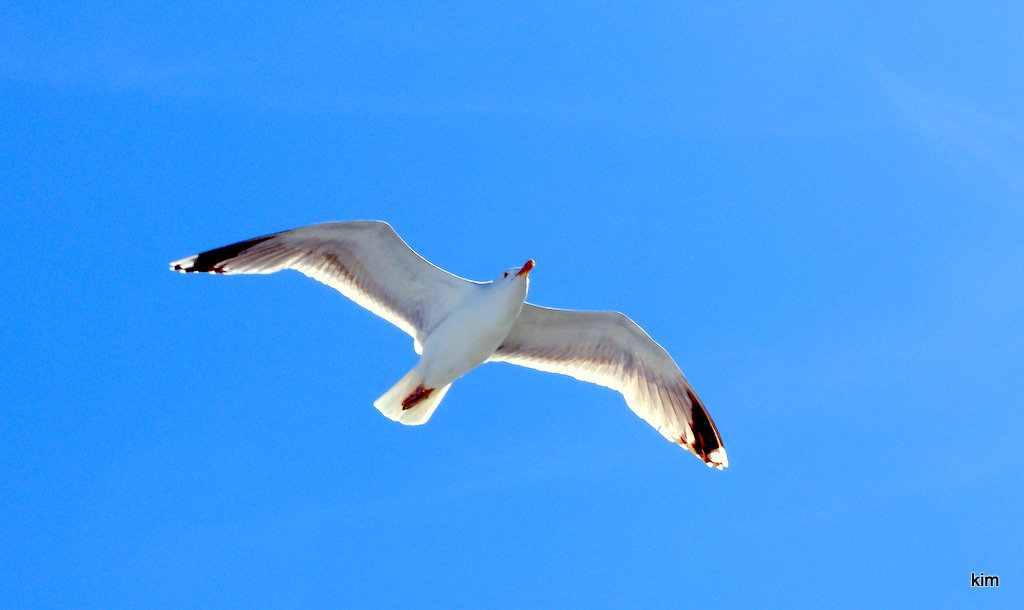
[(526, 268)]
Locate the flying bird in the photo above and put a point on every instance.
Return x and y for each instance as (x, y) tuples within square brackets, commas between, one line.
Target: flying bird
[(458, 324)]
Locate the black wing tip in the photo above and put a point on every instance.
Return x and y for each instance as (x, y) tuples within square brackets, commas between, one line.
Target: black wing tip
[(192, 265), (212, 261), (186, 265), (707, 445)]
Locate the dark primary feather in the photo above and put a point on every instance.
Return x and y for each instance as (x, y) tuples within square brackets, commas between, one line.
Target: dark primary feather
[(208, 261)]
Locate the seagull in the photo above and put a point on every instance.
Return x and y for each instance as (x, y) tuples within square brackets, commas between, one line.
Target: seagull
[(458, 324)]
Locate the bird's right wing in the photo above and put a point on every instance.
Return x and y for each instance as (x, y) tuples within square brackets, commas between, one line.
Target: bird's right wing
[(609, 349), (364, 260)]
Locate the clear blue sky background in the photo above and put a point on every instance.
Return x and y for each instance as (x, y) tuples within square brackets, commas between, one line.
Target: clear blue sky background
[(818, 210)]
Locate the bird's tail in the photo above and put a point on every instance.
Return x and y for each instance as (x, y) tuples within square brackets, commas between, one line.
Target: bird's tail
[(409, 401)]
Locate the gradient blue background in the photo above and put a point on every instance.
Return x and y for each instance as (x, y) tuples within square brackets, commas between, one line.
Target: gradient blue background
[(816, 210)]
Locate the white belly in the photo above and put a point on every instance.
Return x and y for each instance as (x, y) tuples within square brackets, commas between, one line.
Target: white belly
[(467, 338)]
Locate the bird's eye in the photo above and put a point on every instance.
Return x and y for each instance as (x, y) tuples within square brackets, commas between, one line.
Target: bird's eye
[(506, 274)]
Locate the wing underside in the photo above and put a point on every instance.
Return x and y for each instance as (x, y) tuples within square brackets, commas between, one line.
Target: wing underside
[(609, 349), (364, 260)]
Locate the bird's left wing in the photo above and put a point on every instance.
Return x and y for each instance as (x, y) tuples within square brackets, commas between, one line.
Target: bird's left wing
[(609, 349), (364, 260)]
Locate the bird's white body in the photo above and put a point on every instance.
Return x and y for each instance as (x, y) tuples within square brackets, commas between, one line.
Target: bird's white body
[(472, 331), (463, 340)]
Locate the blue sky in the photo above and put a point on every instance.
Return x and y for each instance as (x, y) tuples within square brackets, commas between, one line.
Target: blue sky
[(818, 210)]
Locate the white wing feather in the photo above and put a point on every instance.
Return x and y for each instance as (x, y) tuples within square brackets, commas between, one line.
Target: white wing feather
[(364, 260), (609, 349)]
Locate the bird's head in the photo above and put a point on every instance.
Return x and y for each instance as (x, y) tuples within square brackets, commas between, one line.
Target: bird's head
[(516, 274)]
